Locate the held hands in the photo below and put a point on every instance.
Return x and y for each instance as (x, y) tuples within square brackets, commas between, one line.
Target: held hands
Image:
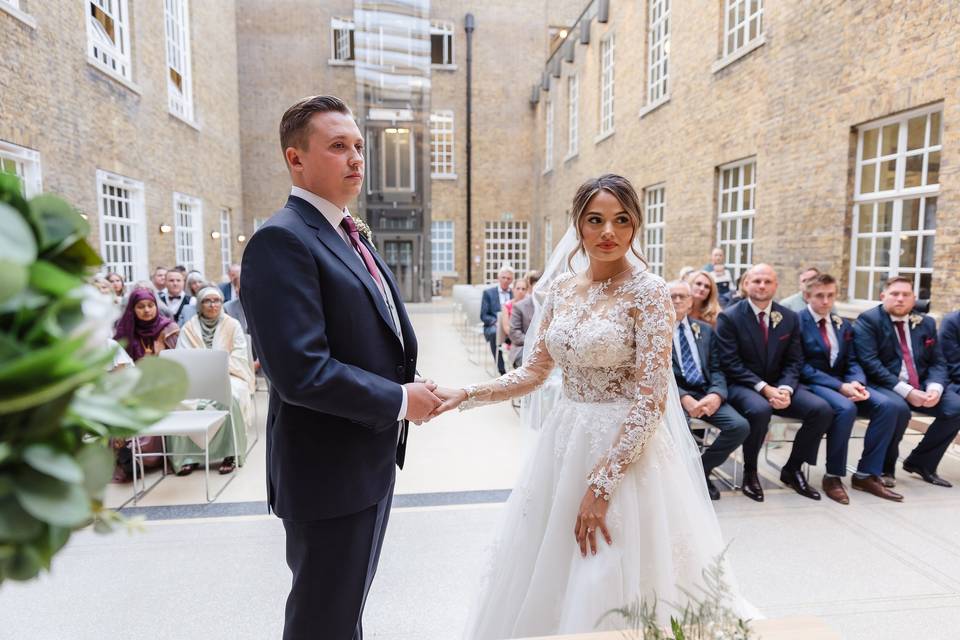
[(591, 516), (451, 399), (421, 401)]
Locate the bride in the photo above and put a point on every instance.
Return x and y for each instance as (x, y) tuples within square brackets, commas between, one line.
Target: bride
[(611, 504)]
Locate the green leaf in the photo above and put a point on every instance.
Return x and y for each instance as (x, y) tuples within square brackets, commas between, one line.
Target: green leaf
[(97, 462), (55, 221), (34, 366), (162, 384), (24, 565), (48, 278), (677, 629), (13, 279), (47, 393), (56, 464), (17, 243), (16, 525), (6, 451), (11, 192), (51, 500), (108, 411), (75, 257)]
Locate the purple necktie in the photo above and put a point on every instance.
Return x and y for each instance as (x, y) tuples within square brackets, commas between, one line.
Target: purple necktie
[(351, 228)]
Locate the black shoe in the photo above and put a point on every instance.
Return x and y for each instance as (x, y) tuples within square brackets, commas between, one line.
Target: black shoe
[(928, 476), (799, 484), (751, 486), (712, 490)]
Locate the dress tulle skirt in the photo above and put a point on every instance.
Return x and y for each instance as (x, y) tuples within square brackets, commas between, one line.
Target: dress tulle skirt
[(663, 527)]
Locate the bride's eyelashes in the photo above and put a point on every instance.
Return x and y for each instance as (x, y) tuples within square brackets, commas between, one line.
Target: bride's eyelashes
[(620, 220)]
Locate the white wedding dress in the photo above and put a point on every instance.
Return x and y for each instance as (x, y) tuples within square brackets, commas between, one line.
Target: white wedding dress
[(617, 428)]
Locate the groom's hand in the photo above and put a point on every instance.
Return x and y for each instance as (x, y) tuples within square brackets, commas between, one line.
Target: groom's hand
[(451, 399), (421, 401)]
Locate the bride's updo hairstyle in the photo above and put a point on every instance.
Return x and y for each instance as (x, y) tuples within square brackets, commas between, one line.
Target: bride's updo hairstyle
[(621, 189)]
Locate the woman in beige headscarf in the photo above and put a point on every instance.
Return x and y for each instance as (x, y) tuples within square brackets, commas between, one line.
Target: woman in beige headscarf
[(211, 328)]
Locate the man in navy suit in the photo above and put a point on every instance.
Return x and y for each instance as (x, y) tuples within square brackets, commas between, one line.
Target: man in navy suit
[(701, 383), (898, 350), (493, 299), (761, 354), (831, 371), (231, 288), (328, 323), (950, 347)]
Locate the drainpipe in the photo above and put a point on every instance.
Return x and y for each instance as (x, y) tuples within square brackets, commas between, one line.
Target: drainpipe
[(468, 25)]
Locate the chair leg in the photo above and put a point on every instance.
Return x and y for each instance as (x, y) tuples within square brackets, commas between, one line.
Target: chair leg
[(133, 458), (206, 465)]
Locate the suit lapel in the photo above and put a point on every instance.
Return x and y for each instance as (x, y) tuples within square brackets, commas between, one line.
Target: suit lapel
[(887, 323), (701, 344)]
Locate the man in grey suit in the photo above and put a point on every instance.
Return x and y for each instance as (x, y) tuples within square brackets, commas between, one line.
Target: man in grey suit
[(520, 319)]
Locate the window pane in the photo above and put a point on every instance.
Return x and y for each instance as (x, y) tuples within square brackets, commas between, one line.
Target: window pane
[(878, 280), (884, 217), (882, 255), (865, 218), (908, 251), (911, 215), (934, 128), (862, 287), (914, 171), (923, 291), (436, 48), (926, 258), (863, 252), (888, 175), (870, 143), (930, 213), (933, 168), (916, 132), (868, 178), (890, 133)]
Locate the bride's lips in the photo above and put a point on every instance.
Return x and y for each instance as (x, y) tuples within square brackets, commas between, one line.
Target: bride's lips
[(607, 245)]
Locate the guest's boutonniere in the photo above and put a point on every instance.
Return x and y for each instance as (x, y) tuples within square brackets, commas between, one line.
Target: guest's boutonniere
[(915, 319), (775, 318), (696, 330), (364, 229), (837, 321)]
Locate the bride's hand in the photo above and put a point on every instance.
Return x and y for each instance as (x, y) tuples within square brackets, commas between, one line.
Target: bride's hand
[(451, 399), (592, 516)]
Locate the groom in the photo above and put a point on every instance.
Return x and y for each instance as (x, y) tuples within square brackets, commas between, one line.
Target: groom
[(334, 339)]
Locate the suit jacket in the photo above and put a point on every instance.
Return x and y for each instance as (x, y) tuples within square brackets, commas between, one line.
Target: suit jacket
[(181, 312), (227, 290), (520, 319), (327, 343), (878, 349), (706, 345), (816, 357), (743, 356), (490, 306), (234, 309), (949, 344)]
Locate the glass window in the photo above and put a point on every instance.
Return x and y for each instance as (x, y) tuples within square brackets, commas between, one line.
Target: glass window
[(735, 214)]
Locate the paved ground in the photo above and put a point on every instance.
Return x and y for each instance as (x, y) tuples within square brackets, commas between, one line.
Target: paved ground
[(873, 570)]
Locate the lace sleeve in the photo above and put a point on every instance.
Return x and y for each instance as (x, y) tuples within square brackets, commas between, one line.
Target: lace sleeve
[(654, 319), (522, 381)]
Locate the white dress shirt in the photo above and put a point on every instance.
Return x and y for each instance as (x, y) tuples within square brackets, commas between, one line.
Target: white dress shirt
[(504, 296), (684, 325), (756, 314), (334, 215), (903, 387), (831, 333)]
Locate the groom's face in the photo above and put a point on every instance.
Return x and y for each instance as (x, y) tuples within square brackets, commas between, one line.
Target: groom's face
[(332, 164)]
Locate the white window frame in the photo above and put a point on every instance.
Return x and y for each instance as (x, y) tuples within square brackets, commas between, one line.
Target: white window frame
[(547, 239), (446, 30), (176, 21), (740, 216), (867, 205), (383, 161), (505, 242), (442, 158), (654, 214), (573, 115), (658, 52), (111, 56), (26, 166), (442, 247), (739, 17), (226, 240), (607, 53), (340, 55), (12, 7), (189, 255), (548, 136), (127, 255)]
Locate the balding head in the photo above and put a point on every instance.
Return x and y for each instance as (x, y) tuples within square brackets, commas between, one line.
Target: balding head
[(761, 284)]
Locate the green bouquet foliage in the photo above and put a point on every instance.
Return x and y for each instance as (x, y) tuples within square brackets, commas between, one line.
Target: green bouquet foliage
[(58, 406)]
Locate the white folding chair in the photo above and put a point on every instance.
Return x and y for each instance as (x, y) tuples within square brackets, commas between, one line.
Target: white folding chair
[(256, 416), (208, 378)]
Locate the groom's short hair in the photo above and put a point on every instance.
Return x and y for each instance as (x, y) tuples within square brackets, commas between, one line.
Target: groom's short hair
[(295, 123)]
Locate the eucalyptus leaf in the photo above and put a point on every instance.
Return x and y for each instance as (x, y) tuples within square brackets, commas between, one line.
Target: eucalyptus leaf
[(47, 393), (50, 500), (162, 384), (97, 462), (24, 565), (55, 221), (46, 277), (119, 383), (6, 451), (114, 414), (17, 242), (16, 525), (75, 257), (34, 366), (11, 193), (56, 464), (13, 279)]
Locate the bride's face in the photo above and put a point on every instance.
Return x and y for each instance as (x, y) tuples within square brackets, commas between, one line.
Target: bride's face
[(606, 228)]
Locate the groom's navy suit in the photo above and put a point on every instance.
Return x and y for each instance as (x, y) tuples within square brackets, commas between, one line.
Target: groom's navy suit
[(747, 360), (327, 343)]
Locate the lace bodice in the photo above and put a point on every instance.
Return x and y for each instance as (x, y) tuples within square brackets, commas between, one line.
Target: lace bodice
[(612, 342)]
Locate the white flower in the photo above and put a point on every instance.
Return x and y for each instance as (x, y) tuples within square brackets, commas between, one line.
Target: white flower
[(99, 314)]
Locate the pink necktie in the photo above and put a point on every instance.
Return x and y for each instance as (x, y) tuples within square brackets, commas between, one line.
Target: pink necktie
[(351, 228), (761, 318), (912, 376), (822, 323)]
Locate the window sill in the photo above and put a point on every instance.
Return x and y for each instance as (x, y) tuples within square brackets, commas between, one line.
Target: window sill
[(113, 75), (20, 15), (190, 123), (444, 67), (444, 274), (571, 156), (746, 49), (603, 136), (853, 308), (443, 176), (653, 106), (547, 171), (340, 63)]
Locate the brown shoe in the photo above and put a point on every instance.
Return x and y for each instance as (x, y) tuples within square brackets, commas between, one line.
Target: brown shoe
[(874, 485), (833, 487)]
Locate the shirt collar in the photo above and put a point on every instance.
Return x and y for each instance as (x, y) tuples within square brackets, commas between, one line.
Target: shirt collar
[(898, 318), (816, 316), (757, 310), (333, 214)]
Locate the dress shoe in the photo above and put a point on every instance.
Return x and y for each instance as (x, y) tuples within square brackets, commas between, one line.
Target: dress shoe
[(799, 484), (751, 486), (928, 476), (833, 487), (888, 480), (712, 490), (874, 485)]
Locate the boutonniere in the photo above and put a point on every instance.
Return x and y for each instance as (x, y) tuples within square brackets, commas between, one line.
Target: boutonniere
[(364, 229), (696, 330), (837, 321), (915, 319), (775, 318)]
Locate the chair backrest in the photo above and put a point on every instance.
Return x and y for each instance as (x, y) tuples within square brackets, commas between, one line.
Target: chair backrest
[(249, 349), (208, 372)]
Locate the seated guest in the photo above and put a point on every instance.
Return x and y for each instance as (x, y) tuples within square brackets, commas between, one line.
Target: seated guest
[(519, 290), (520, 319), (211, 328), (898, 351), (142, 330), (195, 281), (721, 276), (701, 383), (706, 297), (796, 302), (493, 299), (116, 282), (761, 355), (234, 309), (159, 279), (831, 371), (231, 287), (950, 346), (181, 305)]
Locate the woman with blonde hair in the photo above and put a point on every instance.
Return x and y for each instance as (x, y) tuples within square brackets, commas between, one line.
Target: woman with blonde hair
[(706, 297)]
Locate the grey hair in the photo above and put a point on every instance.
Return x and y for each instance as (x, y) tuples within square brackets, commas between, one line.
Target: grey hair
[(679, 283)]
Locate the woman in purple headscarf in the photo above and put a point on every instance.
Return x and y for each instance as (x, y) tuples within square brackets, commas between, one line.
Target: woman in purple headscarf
[(142, 330)]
